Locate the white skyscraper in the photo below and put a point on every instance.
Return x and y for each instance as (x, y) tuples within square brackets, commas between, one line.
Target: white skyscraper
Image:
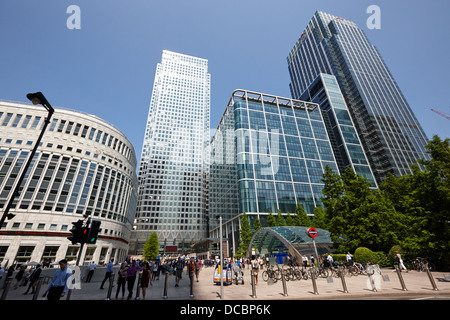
[(175, 155)]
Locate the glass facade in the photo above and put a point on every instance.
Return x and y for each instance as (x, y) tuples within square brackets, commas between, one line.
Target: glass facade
[(345, 142), (174, 163), (391, 136), (268, 154)]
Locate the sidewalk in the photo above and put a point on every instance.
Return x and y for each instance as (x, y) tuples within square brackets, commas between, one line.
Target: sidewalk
[(388, 284)]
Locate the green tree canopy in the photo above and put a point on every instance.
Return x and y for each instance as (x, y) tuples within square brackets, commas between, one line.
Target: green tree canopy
[(290, 220), (319, 219), (257, 224), (280, 219), (271, 220), (245, 235), (411, 211), (301, 217), (151, 247), (423, 197)]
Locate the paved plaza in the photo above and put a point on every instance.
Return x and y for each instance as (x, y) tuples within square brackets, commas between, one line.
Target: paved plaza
[(359, 287)]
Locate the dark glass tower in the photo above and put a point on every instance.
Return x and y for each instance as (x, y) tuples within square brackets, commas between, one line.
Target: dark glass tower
[(391, 136)]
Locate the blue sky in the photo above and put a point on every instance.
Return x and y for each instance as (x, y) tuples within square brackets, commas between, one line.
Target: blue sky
[(107, 67)]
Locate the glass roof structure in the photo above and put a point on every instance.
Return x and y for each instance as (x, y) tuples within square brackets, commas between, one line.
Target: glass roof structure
[(292, 240)]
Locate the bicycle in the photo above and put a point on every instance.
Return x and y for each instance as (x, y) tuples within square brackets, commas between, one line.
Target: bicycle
[(321, 271), (354, 270), (271, 273), (419, 264)]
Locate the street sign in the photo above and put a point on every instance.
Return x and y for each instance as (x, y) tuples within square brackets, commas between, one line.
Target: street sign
[(312, 232)]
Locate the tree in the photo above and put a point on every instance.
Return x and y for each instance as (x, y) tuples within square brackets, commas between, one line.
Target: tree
[(332, 191), (271, 221), (301, 217), (245, 235), (289, 220), (280, 219), (319, 219), (257, 224), (358, 216), (423, 197), (151, 247)]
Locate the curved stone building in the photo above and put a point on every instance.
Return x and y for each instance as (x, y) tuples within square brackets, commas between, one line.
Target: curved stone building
[(83, 166)]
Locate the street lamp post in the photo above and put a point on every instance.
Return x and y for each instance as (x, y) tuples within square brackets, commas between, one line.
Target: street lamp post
[(35, 98), (221, 259)]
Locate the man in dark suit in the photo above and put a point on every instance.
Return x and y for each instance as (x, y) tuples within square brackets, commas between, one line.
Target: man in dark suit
[(34, 279)]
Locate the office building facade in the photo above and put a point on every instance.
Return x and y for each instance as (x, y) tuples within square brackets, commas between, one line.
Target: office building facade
[(268, 154), (174, 161), (347, 147), (83, 166), (391, 135)]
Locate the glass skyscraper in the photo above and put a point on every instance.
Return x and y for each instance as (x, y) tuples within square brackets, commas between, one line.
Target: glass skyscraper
[(345, 142), (268, 154), (175, 156), (391, 136)]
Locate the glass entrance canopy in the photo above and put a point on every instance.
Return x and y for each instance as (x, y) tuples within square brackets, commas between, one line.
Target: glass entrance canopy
[(292, 240)]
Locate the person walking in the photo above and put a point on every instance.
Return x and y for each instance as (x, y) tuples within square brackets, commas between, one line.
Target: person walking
[(191, 269), (349, 258), (399, 261), (178, 271), (58, 286), (311, 258), (305, 261), (131, 277), (19, 276), (155, 270), (34, 277), (121, 279), (330, 260), (255, 268), (198, 267), (145, 279), (92, 268), (109, 269)]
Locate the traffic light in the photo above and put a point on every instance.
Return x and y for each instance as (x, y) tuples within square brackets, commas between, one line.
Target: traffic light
[(84, 235), (76, 232), (93, 232)]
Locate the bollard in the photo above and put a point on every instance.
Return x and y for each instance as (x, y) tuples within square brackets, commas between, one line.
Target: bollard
[(344, 285), (166, 283), (253, 284), (400, 277), (431, 278), (284, 284), (313, 278), (111, 285), (191, 275), (138, 286), (38, 288)]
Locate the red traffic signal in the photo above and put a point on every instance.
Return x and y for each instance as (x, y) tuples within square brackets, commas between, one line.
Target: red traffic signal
[(77, 236)]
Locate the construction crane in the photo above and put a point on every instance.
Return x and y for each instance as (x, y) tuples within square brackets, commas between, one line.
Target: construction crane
[(441, 114)]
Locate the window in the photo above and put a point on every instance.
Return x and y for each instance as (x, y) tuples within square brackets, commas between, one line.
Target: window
[(16, 120), (26, 121), (7, 119), (24, 253), (35, 122), (69, 127)]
